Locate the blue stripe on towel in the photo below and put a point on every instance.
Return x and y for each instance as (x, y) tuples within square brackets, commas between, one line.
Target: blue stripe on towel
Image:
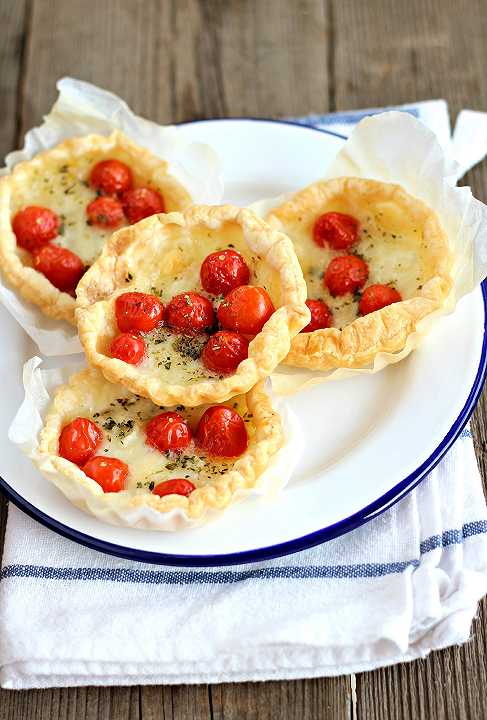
[(346, 118), (226, 577)]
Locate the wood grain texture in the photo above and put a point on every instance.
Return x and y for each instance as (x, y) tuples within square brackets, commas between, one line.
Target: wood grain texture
[(303, 699), (175, 60)]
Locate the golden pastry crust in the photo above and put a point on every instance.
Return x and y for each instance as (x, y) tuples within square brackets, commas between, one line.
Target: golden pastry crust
[(166, 251), (16, 262), (401, 240), (87, 393)]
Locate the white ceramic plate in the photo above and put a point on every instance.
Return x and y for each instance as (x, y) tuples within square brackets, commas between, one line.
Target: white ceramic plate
[(369, 439)]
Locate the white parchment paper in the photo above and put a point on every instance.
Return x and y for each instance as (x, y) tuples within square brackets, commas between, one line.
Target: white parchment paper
[(40, 386), (80, 109)]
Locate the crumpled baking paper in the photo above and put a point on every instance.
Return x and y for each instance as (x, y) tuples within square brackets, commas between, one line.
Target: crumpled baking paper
[(394, 147), (82, 108), (40, 386)]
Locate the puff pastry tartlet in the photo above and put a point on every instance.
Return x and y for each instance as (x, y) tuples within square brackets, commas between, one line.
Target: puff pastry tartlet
[(114, 453), (57, 210), (192, 308), (376, 262)]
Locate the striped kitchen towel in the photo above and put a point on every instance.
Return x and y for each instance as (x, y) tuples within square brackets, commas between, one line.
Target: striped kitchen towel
[(393, 590)]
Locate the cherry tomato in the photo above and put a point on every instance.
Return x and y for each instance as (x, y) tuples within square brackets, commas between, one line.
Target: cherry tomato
[(129, 348), (337, 230), (138, 312), (168, 431), (34, 226), (178, 486), (345, 274), (111, 177), (224, 352), (109, 472), (79, 440), (321, 316), (245, 309), (376, 297), (105, 212), (190, 313), (60, 266), (142, 202), (222, 271), (221, 432)]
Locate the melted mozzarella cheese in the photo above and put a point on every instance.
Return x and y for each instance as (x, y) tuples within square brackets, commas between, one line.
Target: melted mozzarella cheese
[(64, 189), (123, 422), (173, 356), (392, 247)]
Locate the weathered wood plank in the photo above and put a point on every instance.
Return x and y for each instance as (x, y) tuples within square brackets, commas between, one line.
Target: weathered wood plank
[(303, 699), (391, 53), (175, 702), (71, 704)]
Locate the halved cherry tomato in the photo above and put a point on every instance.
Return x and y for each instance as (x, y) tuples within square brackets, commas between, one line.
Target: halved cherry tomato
[(79, 440), (190, 313), (105, 212), (129, 348), (224, 351), (335, 229), (109, 472), (34, 226), (60, 266), (245, 309), (178, 486), (168, 431), (221, 432), (222, 271), (142, 202), (111, 177), (321, 316), (345, 274), (376, 297), (138, 312)]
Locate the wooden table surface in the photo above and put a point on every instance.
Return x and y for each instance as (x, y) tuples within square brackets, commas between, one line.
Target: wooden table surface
[(176, 60)]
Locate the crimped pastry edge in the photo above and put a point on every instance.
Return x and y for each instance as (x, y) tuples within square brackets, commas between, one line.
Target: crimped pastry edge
[(383, 331), (148, 510), (32, 285), (267, 349)]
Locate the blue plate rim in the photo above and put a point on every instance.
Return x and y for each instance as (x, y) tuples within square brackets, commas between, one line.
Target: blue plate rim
[(383, 503)]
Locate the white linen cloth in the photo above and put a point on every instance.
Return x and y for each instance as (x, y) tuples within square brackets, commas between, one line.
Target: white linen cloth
[(406, 583)]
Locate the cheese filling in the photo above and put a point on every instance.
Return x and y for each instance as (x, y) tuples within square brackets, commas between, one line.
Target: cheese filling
[(393, 248), (123, 423), (170, 354)]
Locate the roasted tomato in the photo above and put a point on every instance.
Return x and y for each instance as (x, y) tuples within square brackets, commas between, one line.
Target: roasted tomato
[(190, 313), (168, 431), (34, 226), (138, 312), (223, 271), (245, 309), (60, 266), (345, 274), (79, 440), (337, 230), (221, 432), (321, 316), (105, 212), (142, 202), (376, 297), (111, 177), (109, 472), (178, 486), (128, 347), (224, 352)]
